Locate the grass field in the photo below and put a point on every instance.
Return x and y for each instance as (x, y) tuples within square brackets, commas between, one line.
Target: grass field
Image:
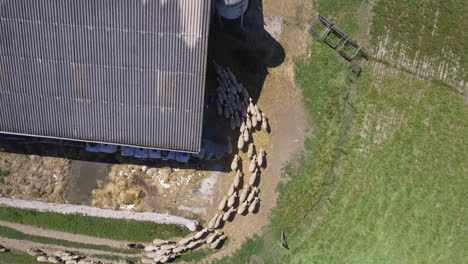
[(400, 187), (14, 234), (93, 226), (16, 258)]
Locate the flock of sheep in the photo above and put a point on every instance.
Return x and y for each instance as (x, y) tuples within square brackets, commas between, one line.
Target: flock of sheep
[(234, 103), (65, 257)]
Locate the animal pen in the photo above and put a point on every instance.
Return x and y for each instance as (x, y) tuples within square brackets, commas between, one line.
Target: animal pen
[(325, 30)]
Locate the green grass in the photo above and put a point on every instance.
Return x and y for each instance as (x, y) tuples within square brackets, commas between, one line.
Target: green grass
[(93, 226), (3, 174), (432, 28), (14, 257), (402, 194), (15, 234)]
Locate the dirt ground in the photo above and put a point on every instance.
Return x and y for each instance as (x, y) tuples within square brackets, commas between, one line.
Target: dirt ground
[(34, 177)]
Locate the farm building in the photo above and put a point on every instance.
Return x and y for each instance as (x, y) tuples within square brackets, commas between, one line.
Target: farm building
[(125, 72)]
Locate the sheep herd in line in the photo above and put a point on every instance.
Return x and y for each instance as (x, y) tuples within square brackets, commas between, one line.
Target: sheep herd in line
[(233, 102), (66, 257)]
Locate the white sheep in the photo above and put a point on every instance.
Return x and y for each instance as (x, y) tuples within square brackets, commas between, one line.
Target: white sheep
[(246, 135), (253, 164), (222, 204), (251, 150), (142, 260), (212, 222), (244, 194), (185, 241), (231, 190), (264, 122), (248, 122), (254, 121), (213, 237), (251, 196), (151, 248), (261, 157), (242, 208), (219, 221), (240, 142), (251, 107), (232, 200), (242, 127), (228, 214), (253, 177), (200, 233), (232, 123), (237, 179), (258, 115), (228, 145), (217, 242), (235, 163), (253, 206)]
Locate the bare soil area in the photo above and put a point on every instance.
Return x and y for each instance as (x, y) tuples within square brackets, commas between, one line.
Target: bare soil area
[(34, 177)]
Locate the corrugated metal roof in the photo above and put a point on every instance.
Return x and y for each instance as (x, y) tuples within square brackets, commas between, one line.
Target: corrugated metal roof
[(114, 71)]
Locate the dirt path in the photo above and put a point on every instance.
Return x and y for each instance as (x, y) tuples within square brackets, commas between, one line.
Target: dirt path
[(23, 245), (281, 100), (97, 212), (35, 231)]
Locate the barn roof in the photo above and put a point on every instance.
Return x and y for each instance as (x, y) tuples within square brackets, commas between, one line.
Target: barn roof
[(112, 71)]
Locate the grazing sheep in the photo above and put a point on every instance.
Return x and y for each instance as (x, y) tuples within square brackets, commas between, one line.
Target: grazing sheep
[(253, 177), (242, 127), (237, 178), (258, 116), (242, 208), (154, 255), (168, 246), (240, 142), (222, 204), (251, 150), (71, 261), (251, 196), (232, 200), (219, 109), (229, 145), (200, 233), (253, 164), (212, 222), (4, 249), (235, 163), (253, 206), (232, 123), (231, 190), (254, 121), (246, 135), (151, 248), (217, 242), (227, 214), (185, 241), (35, 252), (260, 159), (53, 259), (264, 122), (194, 244), (237, 119), (42, 259), (219, 222), (251, 107), (226, 111), (248, 122), (212, 238), (244, 194), (178, 250), (159, 242)]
